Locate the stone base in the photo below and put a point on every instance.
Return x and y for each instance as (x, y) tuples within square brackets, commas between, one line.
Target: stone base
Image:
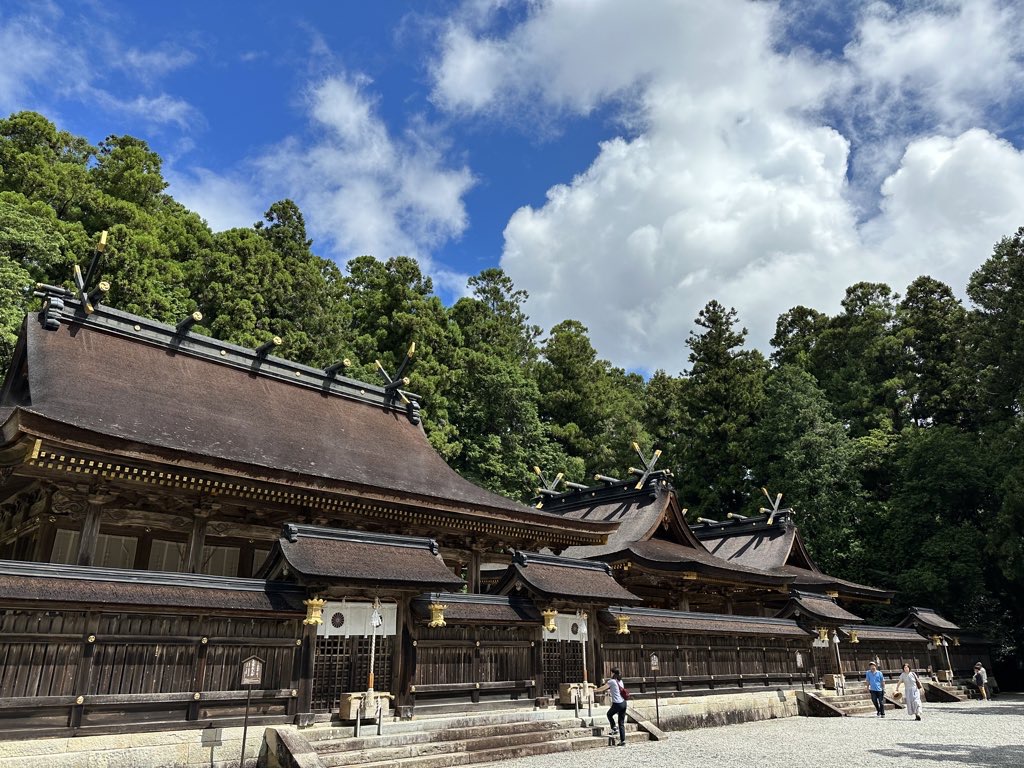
[(196, 748)]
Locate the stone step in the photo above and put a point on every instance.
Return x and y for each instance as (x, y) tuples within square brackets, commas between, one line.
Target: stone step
[(344, 756), (434, 723), (444, 734), (502, 753)]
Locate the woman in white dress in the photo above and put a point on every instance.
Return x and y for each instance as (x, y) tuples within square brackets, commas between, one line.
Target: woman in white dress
[(912, 685)]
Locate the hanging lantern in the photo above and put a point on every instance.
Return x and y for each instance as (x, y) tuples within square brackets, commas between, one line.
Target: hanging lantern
[(623, 622), (853, 637), (437, 614), (314, 611), (549, 619), (835, 636), (821, 641)]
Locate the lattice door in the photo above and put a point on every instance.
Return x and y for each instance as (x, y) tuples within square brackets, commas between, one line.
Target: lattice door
[(342, 665), (563, 663)]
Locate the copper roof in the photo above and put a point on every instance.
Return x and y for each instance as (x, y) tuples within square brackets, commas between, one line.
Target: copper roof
[(705, 623), (478, 609), (929, 620), (818, 607), (317, 555), (132, 386), (45, 584), (563, 578)]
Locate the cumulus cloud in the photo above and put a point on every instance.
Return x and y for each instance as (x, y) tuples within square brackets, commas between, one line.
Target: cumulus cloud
[(224, 201), (737, 185), (366, 191)]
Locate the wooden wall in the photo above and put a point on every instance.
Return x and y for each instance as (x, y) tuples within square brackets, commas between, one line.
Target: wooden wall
[(66, 672)]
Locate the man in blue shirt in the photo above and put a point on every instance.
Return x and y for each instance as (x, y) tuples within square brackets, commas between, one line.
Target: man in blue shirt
[(876, 685)]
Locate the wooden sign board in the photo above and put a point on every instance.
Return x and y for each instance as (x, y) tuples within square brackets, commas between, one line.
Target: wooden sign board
[(655, 664), (252, 671)]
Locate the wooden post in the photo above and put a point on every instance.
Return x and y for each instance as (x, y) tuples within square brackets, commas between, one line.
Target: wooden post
[(197, 540), (83, 676), (397, 655), (90, 535), (304, 716), (473, 576), (45, 535), (199, 676)]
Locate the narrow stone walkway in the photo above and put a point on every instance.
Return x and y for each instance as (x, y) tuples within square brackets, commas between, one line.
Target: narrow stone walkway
[(973, 733)]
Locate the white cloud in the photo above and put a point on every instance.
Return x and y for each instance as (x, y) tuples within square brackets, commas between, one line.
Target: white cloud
[(42, 64), (365, 191), (736, 188), (151, 65), (225, 202), (32, 59)]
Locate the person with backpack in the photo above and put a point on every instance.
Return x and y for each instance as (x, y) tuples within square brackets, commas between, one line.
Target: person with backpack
[(913, 689), (619, 696)]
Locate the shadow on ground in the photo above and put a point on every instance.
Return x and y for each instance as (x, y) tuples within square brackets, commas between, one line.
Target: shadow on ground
[(1010, 755)]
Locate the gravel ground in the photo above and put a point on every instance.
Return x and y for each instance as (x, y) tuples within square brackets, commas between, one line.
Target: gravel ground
[(971, 733)]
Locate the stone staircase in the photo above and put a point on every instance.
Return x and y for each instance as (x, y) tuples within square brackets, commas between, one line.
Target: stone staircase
[(856, 703), (438, 742), (958, 690)]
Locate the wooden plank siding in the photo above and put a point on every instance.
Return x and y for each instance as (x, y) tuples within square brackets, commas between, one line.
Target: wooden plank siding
[(68, 672)]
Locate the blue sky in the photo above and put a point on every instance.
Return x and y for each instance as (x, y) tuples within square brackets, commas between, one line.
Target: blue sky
[(623, 162)]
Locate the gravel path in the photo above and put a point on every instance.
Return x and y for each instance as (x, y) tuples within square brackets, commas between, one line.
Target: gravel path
[(971, 733)]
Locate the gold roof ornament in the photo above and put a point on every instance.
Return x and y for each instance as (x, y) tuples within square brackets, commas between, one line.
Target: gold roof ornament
[(314, 611), (623, 622), (549, 619), (437, 614)]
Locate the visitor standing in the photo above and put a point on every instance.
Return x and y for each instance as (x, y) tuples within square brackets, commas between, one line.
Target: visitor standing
[(618, 693), (912, 690), (876, 686), (981, 680)]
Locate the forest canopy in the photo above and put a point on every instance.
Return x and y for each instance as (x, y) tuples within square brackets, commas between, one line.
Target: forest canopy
[(894, 428)]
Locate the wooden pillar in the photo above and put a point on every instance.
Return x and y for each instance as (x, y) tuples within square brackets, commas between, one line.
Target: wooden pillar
[(83, 675), (304, 716), (538, 660), (90, 535), (473, 575), (397, 656), (197, 538), (45, 535), (143, 551)]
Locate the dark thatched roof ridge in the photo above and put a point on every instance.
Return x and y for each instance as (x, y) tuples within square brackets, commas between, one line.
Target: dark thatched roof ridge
[(818, 608), (563, 578), (319, 555), (46, 583), (704, 623), (478, 609), (929, 620)]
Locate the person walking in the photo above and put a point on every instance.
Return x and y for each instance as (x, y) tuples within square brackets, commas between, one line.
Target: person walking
[(618, 693), (912, 687), (981, 680), (875, 682)]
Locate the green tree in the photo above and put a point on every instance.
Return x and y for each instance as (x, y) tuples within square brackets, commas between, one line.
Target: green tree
[(931, 322), (798, 448), (857, 360), (722, 400)]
